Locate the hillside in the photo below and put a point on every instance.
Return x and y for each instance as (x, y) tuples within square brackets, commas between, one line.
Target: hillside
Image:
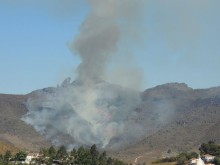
[(13, 131), (194, 118), (176, 117)]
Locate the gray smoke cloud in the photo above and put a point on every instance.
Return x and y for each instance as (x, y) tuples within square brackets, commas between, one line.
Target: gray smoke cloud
[(89, 110), (74, 114), (100, 34)]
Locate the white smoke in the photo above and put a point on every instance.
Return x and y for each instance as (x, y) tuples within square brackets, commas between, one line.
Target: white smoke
[(88, 110), (84, 116), (100, 34)]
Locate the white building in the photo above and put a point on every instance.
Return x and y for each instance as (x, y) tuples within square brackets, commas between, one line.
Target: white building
[(30, 157), (200, 161), (195, 161), (208, 158), (192, 161)]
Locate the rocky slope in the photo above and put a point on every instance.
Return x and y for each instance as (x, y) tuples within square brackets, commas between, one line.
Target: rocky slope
[(13, 131), (176, 117), (194, 118)]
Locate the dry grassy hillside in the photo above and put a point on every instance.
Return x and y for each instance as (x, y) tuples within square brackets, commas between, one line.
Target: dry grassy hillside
[(194, 119), (176, 117), (13, 131), (5, 146)]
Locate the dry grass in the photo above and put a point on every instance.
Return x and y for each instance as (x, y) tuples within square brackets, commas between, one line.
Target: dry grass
[(12, 129), (193, 118), (4, 146)]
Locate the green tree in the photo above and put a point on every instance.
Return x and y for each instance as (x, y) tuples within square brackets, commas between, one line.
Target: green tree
[(21, 155), (103, 159), (216, 161), (83, 157), (44, 152), (7, 157), (110, 161), (192, 155), (73, 155), (210, 148), (95, 154), (73, 152), (1, 159), (118, 162), (62, 154), (181, 158), (52, 152)]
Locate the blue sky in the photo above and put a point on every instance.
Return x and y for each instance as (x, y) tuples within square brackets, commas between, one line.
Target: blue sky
[(178, 42)]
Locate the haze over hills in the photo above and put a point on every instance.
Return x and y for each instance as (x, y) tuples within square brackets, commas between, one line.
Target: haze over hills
[(13, 130), (170, 116), (121, 42), (194, 118)]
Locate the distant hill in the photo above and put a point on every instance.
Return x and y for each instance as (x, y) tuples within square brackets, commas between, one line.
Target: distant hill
[(194, 119), (195, 116), (178, 117), (13, 131), (5, 146)]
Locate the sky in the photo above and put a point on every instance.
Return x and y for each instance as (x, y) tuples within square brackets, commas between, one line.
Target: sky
[(169, 41)]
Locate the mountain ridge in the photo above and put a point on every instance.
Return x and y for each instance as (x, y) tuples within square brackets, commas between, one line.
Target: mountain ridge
[(192, 117)]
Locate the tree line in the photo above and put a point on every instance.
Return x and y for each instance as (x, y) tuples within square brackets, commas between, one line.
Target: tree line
[(213, 149), (210, 148), (49, 156), (180, 158), (8, 157)]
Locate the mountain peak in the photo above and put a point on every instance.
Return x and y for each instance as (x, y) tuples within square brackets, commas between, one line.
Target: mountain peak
[(175, 85)]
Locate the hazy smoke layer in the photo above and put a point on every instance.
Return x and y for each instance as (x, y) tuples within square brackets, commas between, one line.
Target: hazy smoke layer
[(76, 115), (89, 111)]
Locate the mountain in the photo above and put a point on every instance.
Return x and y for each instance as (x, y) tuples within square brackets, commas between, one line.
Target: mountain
[(13, 131), (176, 118), (194, 118)]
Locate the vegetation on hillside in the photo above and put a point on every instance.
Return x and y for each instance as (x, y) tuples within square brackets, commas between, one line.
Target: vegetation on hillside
[(180, 159), (212, 149), (4, 146), (206, 148), (80, 156)]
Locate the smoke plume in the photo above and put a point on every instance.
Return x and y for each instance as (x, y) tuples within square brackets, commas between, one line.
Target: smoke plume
[(100, 34), (78, 115), (89, 110)]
